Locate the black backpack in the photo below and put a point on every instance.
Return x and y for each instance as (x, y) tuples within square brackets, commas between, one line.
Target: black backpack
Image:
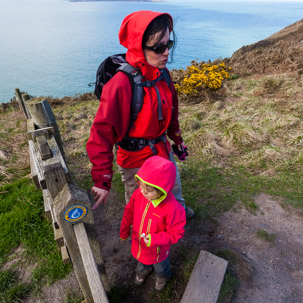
[(110, 66)]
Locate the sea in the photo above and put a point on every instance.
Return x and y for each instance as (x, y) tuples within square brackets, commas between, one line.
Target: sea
[(54, 47)]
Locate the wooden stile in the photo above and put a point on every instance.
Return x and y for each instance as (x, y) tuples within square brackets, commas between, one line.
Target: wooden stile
[(77, 241)]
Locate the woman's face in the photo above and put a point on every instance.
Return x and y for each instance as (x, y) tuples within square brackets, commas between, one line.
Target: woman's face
[(157, 60)]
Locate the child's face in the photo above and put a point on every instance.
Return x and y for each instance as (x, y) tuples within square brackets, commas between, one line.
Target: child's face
[(149, 192)]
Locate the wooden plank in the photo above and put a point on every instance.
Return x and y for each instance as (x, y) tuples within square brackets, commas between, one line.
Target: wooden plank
[(26, 97), (59, 237), (94, 244), (43, 147), (46, 131), (97, 290), (54, 177), (43, 116), (65, 255), (21, 103), (30, 126), (36, 163), (47, 206), (56, 152), (206, 279)]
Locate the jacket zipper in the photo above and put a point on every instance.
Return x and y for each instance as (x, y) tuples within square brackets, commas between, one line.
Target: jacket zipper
[(141, 227), (148, 226), (158, 253)]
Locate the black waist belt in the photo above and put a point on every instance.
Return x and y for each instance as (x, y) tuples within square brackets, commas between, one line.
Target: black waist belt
[(134, 144)]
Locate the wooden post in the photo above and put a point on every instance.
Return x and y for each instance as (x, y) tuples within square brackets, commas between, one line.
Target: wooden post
[(55, 178), (36, 166), (206, 279), (26, 97), (42, 115), (68, 197), (21, 103)]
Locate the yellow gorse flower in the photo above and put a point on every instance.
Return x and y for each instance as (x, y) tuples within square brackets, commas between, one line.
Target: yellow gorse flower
[(202, 77)]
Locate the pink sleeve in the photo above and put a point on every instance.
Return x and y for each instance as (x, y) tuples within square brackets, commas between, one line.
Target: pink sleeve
[(175, 222), (174, 132)]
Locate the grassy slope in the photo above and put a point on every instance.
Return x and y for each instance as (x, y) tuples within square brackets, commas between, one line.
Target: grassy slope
[(245, 140)]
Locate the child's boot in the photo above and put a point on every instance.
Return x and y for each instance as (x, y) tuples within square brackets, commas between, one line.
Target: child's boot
[(160, 283), (141, 277)]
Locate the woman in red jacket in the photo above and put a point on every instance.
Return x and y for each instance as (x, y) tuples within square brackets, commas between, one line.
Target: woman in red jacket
[(157, 220), (146, 35)]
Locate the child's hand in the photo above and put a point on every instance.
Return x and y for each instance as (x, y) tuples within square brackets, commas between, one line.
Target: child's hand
[(123, 240), (146, 239)]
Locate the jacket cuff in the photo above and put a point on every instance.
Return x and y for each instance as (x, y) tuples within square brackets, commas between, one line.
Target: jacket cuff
[(176, 137), (103, 184), (149, 242)]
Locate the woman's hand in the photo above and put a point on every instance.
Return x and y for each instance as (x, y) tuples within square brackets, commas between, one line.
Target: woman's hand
[(100, 195), (180, 151)]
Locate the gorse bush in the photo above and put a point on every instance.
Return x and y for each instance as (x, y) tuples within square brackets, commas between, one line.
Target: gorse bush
[(202, 77)]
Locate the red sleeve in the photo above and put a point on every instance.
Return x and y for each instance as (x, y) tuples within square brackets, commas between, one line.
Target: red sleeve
[(110, 126), (175, 222), (127, 219), (173, 131)]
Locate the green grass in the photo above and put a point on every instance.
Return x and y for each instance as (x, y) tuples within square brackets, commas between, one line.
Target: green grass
[(266, 236), (228, 288), (22, 224), (11, 289), (217, 189)]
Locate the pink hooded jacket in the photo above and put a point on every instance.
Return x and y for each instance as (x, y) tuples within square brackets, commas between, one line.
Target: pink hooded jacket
[(163, 219)]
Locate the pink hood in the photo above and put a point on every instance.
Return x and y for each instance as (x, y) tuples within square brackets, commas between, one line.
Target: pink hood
[(158, 172)]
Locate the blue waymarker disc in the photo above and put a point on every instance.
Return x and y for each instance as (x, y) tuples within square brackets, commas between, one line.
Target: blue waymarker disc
[(75, 213)]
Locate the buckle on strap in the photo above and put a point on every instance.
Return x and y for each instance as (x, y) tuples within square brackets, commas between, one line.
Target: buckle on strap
[(135, 144)]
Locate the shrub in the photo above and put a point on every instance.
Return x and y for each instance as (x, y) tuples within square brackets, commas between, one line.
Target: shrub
[(202, 77)]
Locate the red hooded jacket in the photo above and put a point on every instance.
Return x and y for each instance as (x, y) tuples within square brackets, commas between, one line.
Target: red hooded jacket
[(113, 116), (162, 219)]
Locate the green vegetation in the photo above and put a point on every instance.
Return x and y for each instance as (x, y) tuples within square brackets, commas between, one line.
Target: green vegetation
[(27, 238), (266, 236), (244, 139)]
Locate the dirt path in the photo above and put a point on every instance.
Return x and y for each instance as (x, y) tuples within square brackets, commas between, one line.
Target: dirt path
[(268, 271)]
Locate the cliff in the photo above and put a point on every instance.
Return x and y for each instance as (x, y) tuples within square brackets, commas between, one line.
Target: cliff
[(280, 52)]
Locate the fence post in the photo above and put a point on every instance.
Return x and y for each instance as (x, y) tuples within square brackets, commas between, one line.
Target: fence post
[(43, 117), (21, 103), (70, 196)]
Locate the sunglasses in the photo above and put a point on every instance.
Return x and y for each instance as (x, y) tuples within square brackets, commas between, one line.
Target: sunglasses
[(161, 48)]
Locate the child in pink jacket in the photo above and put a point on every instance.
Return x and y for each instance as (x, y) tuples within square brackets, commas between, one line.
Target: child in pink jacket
[(157, 220)]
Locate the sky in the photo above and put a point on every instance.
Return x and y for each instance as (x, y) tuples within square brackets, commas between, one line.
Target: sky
[(207, 1)]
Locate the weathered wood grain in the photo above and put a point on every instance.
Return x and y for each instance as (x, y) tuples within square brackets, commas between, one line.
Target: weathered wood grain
[(206, 279), (90, 266)]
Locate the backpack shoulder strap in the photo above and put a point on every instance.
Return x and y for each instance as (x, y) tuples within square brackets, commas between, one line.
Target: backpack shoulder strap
[(167, 77), (135, 78)]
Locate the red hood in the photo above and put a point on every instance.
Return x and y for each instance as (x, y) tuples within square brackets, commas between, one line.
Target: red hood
[(158, 171), (131, 35)]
